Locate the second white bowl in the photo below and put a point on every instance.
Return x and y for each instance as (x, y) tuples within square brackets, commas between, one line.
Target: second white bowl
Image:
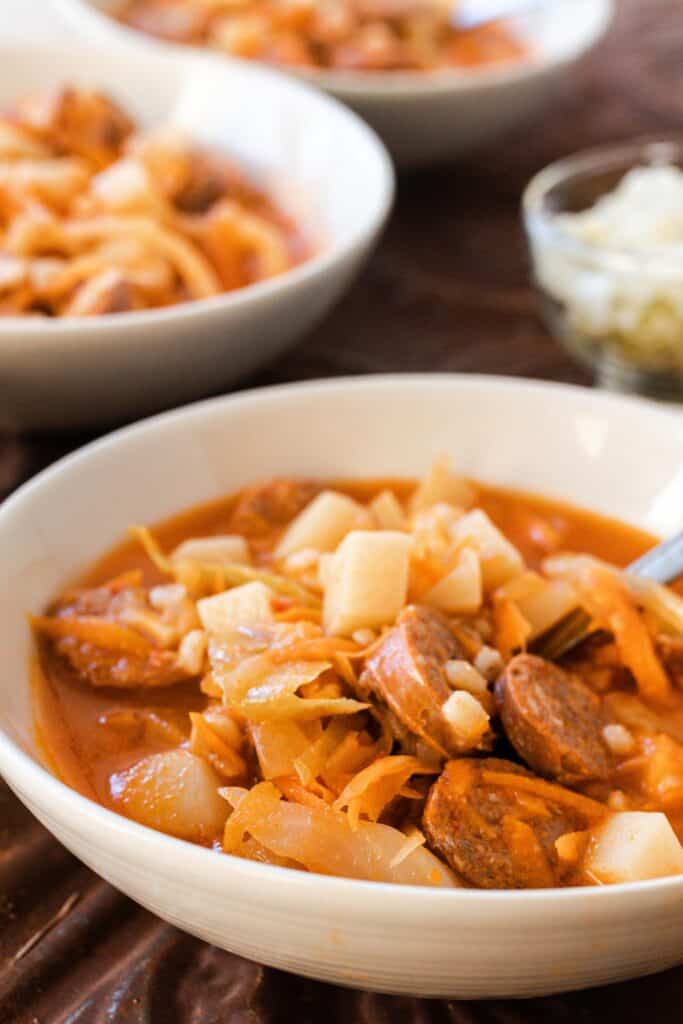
[(425, 118), (322, 163)]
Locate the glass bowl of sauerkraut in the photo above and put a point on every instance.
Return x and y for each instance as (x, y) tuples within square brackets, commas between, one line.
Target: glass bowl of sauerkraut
[(605, 231)]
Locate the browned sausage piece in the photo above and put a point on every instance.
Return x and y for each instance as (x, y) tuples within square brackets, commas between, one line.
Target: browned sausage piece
[(553, 721), (109, 667), (407, 672), (267, 507), (496, 836)]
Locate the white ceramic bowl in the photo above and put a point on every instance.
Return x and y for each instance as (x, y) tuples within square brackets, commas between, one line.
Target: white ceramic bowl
[(617, 455), (428, 118), (325, 167)]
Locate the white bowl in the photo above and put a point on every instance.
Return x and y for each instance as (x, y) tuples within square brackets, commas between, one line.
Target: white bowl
[(620, 456), (290, 138), (428, 118)]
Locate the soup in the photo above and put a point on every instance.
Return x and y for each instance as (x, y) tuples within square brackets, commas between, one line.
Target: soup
[(348, 677)]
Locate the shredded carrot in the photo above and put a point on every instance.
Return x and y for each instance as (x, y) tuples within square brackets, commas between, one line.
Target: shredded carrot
[(132, 578), (313, 649), (204, 741), (512, 631), (293, 790), (546, 790), (612, 604), (298, 613), (525, 849), (99, 632), (152, 548), (373, 788), (252, 804)]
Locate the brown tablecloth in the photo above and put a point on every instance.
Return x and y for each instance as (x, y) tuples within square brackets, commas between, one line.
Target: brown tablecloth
[(448, 289)]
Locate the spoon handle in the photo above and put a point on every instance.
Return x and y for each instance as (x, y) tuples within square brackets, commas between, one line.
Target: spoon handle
[(664, 563)]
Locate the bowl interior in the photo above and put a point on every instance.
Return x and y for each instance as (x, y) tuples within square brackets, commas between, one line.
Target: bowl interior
[(285, 135), (585, 452), (555, 32)]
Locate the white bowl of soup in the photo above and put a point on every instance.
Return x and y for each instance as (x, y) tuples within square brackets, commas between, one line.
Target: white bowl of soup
[(430, 91), (175, 221), (312, 669)]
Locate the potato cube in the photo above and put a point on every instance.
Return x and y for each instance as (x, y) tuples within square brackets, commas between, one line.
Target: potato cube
[(461, 675), (229, 549), (366, 581), (387, 512), (442, 485), (500, 560), (466, 717), (633, 846), (547, 606), (459, 592), (242, 606), (322, 525)]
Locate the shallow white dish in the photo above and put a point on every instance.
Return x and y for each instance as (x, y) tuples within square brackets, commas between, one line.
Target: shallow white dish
[(64, 372), (558, 440), (427, 118)]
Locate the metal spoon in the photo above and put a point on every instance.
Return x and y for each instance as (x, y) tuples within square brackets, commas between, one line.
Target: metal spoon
[(471, 14), (663, 564)]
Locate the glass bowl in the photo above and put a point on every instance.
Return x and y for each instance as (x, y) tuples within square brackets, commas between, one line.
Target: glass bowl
[(616, 309)]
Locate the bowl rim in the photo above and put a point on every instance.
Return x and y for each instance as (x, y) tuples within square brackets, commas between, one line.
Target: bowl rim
[(359, 85), (648, 150), (179, 855), (185, 62)]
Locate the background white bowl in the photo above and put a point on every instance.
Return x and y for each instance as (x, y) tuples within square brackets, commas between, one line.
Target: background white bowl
[(422, 118), (323, 164), (617, 455)]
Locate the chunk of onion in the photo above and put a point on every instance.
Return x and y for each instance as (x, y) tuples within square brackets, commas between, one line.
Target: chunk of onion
[(174, 792), (323, 841)]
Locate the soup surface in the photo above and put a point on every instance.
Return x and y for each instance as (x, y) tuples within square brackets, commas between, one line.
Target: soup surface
[(349, 35), (348, 678)]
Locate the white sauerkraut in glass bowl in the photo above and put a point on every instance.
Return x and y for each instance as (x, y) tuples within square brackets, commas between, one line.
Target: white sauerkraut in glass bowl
[(605, 229)]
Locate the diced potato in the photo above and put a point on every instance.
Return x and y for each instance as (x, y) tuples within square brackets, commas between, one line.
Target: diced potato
[(175, 792), (633, 846), (387, 512), (460, 592), (619, 740), (489, 662), (463, 676), (366, 582), (466, 717), (241, 606), (442, 484), (322, 525), (230, 549), (548, 605), (500, 560)]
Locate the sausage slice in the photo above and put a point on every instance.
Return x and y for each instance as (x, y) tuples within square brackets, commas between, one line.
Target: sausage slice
[(553, 721), (407, 673), (494, 835), (108, 667), (267, 507)]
